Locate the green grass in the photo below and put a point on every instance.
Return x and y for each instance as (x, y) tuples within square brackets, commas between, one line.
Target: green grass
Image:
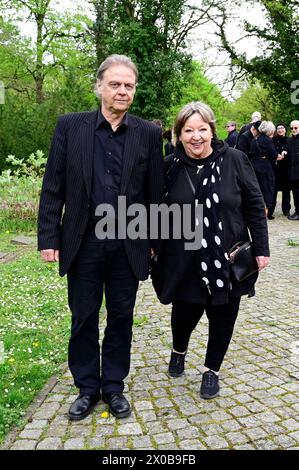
[(293, 242), (10, 221), (34, 330)]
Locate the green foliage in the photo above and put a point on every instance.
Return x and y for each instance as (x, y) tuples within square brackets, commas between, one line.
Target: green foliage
[(20, 188), (38, 89), (254, 98), (34, 166), (277, 64), (198, 88), (151, 33)]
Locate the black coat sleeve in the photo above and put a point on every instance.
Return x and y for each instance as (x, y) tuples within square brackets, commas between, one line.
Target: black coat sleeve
[(243, 143), (53, 191), (155, 176)]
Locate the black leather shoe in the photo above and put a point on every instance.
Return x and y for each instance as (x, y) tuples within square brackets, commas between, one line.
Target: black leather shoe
[(82, 406), (295, 216), (118, 404)]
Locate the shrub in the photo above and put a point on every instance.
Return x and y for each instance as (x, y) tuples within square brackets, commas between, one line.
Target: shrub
[(20, 189)]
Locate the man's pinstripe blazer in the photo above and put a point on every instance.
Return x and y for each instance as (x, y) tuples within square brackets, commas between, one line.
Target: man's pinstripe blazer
[(65, 197)]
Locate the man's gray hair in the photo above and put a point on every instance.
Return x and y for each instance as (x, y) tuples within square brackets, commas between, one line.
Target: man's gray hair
[(116, 59), (267, 128)]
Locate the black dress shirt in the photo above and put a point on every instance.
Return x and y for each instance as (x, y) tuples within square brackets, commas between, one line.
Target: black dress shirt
[(107, 164)]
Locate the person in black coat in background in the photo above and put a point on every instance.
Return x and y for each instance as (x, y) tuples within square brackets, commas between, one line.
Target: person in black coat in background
[(232, 137), (281, 171), (293, 166), (245, 139), (263, 157), (207, 171)]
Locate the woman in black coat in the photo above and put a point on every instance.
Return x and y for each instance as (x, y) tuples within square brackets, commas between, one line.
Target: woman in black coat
[(204, 170), (263, 157)]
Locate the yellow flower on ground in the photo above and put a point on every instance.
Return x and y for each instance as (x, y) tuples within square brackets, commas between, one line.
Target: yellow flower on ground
[(105, 414)]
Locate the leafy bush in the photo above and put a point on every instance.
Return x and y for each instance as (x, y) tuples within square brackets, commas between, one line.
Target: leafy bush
[(19, 192)]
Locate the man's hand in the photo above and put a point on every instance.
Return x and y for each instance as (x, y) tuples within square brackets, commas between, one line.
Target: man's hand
[(262, 261), (49, 256)]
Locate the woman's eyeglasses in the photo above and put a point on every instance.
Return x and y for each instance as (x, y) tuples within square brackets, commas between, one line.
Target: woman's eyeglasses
[(294, 128)]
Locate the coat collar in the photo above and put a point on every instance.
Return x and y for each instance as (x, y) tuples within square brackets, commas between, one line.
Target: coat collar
[(132, 142)]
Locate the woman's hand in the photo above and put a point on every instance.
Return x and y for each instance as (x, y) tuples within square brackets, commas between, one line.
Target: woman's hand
[(262, 261)]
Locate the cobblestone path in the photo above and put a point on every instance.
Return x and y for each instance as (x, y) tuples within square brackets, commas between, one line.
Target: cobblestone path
[(258, 406)]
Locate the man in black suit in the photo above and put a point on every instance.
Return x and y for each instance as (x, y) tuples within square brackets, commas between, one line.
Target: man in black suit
[(96, 157)]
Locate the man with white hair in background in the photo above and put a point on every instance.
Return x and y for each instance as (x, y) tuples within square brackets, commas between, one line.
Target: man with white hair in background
[(293, 166)]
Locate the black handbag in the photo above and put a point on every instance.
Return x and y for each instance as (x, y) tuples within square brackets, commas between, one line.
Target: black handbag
[(243, 263)]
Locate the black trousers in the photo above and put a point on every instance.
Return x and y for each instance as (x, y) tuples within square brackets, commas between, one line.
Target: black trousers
[(184, 319), (101, 266), (285, 203), (295, 191)]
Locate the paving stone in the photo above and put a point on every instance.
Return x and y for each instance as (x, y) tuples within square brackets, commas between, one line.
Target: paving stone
[(147, 416), (191, 432), (244, 447), (273, 429), (192, 444), (264, 444), (143, 405), (256, 433), (36, 424), (291, 424), (95, 443), (163, 403), (23, 445), (56, 431), (80, 431), (236, 438), (74, 444), (295, 435), (31, 434), (239, 411), (47, 411), (116, 443), (58, 398), (216, 442), (154, 428), (284, 441), (218, 416), (50, 443), (130, 429), (175, 424), (21, 240), (142, 442), (267, 417), (163, 438)]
